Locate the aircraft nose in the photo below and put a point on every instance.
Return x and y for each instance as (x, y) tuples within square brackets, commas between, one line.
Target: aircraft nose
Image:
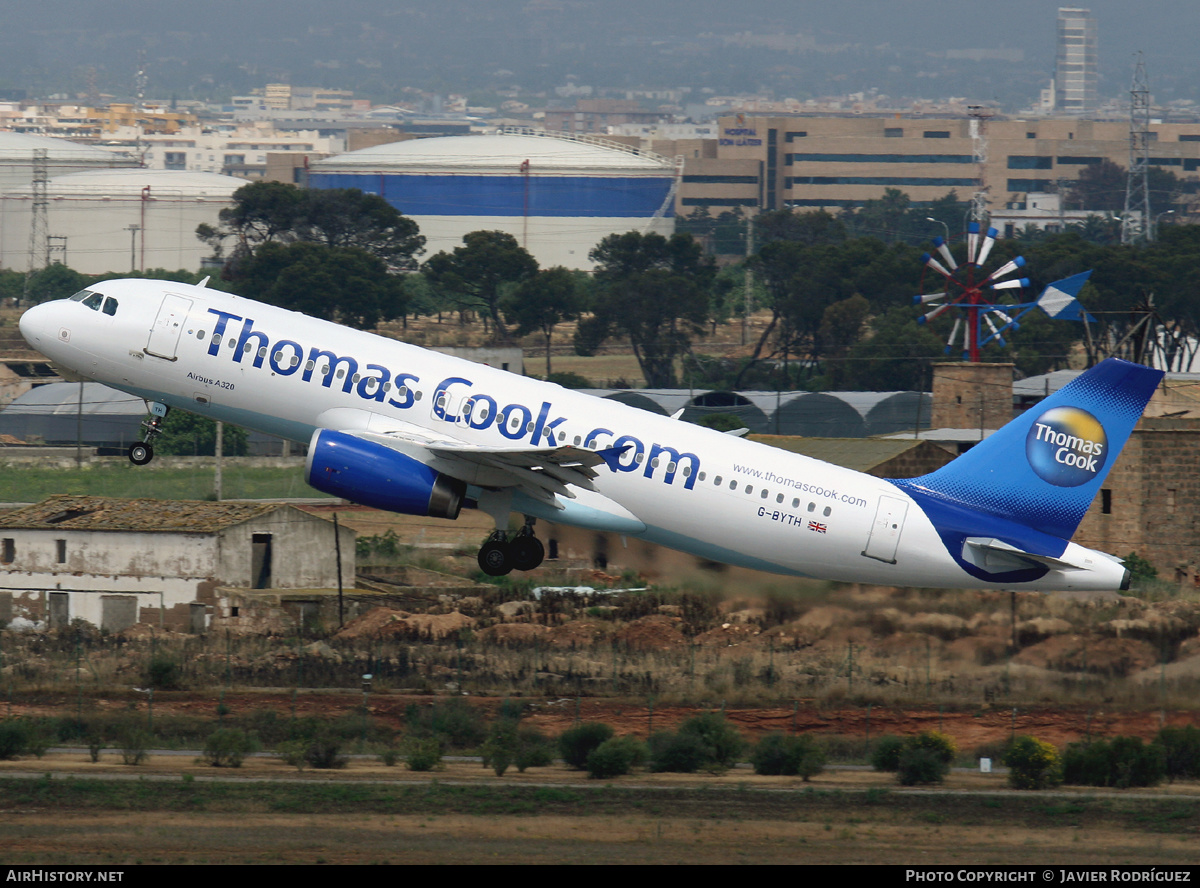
[(37, 324)]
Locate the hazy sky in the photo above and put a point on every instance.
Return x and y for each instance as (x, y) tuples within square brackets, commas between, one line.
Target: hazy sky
[(210, 46)]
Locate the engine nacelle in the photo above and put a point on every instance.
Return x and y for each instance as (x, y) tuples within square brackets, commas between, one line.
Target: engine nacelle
[(374, 475)]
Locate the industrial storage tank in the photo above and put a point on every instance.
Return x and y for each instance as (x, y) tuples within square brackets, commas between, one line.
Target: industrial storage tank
[(19, 150), (118, 220), (557, 195)]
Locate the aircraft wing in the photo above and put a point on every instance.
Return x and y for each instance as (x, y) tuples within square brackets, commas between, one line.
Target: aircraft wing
[(543, 473)]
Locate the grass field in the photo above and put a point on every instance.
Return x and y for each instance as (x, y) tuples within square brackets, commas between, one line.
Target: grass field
[(187, 813), (23, 483)]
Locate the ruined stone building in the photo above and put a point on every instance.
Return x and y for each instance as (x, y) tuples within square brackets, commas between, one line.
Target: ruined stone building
[(115, 562)]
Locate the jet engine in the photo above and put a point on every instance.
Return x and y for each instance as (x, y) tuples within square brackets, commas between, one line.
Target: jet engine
[(372, 474)]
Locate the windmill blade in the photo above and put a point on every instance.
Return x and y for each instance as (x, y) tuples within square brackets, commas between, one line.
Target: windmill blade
[(929, 261), (972, 242), (943, 249), (1017, 284), (928, 297), (987, 319), (929, 316), (988, 243), (953, 334), (1006, 269)]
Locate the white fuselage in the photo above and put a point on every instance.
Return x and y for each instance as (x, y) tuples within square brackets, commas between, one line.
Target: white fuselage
[(678, 484)]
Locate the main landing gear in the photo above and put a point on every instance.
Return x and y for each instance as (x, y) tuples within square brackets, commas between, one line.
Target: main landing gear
[(501, 555), (142, 452)]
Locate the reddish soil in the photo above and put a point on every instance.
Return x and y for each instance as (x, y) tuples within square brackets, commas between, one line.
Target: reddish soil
[(970, 728)]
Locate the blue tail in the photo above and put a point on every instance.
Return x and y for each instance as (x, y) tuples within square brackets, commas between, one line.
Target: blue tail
[(1043, 469)]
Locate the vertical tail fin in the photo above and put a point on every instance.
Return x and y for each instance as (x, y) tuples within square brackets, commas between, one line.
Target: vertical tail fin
[(1043, 469)]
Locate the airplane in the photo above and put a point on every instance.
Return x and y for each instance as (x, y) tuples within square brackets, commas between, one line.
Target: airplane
[(391, 425)]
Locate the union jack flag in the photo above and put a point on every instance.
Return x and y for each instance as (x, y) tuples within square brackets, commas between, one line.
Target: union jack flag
[(817, 526)]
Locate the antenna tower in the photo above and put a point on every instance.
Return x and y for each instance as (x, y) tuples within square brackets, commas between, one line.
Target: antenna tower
[(39, 240), (140, 79), (1135, 220), (979, 117)]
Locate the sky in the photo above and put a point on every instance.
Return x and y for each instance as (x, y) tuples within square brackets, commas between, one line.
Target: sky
[(211, 47)]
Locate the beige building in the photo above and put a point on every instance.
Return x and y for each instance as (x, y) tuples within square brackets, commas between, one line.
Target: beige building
[(769, 163)]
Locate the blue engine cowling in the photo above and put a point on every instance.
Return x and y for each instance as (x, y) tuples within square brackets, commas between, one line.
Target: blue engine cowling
[(374, 475)]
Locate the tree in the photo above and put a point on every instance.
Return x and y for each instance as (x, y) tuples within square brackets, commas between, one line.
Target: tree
[(476, 272), (655, 291), (186, 434), (342, 284), (817, 227), (542, 302), (894, 355), (1099, 187), (56, 282), (347, 217), (842, 324), (261, 212), (270, 212)]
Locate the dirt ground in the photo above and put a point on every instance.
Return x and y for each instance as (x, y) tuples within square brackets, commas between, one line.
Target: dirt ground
[(970, 728)]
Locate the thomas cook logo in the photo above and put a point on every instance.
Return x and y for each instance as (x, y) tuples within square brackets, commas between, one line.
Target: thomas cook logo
[(1066, 446)]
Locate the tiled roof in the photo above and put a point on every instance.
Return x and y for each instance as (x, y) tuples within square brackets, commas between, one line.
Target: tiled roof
[(859, 454), (108, 513)]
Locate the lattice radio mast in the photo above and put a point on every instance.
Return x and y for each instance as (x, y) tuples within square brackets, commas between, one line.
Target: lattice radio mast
[(39, 239), (1135, 220)]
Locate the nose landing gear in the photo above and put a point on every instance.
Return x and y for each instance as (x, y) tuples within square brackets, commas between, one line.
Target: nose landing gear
[(142, 451)]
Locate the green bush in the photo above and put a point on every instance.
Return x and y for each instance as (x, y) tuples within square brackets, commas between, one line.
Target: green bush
[(322, 750), (1181, 751), (678, 753), (1120, 763), (134, 743), (576, 744), (614, 757), (500, 747), (789, 756), (939, 744), (14, 735), (227, 747), (886, 754), (163, 673), (722, 739), (1032, 764), (921, 765), (423, 754), (534, 749), (455, 722)]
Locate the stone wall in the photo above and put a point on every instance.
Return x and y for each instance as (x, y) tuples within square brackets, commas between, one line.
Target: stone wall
[(971, 396)]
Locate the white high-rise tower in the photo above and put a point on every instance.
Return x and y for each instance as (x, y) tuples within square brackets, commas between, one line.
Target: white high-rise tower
[(1075, 67)]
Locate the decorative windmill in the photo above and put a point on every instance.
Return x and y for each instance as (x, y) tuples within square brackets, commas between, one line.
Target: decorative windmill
[(985, 303)]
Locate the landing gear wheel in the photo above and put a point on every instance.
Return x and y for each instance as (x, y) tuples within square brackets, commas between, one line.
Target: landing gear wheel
[(526, 552), (495, 558), (140, 453)]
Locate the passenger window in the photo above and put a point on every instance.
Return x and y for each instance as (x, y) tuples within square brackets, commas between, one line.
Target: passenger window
[(110, 306)]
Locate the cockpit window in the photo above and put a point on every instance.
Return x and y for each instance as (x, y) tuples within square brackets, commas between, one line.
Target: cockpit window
[(81, 295), (94, 301), (110, 306)]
